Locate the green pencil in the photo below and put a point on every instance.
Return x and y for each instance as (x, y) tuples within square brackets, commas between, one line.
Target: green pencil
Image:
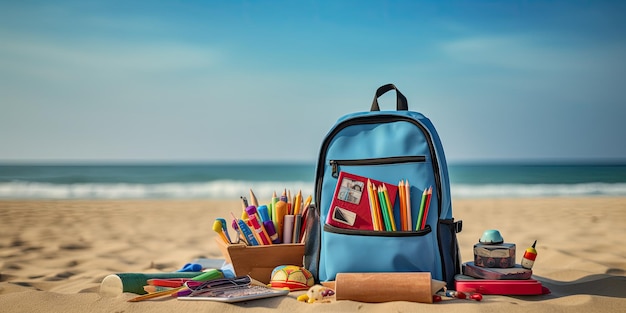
[(420, 215), (383, 209)]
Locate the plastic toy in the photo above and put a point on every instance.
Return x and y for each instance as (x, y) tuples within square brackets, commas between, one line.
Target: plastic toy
[(317, 293)]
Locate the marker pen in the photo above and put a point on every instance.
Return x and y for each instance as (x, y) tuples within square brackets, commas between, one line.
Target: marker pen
[(224, 228), (528, 260), (261, 234), (271, 231), (247, 232)]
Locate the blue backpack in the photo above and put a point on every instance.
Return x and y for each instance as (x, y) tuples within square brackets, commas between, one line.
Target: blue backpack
[(386, 146)]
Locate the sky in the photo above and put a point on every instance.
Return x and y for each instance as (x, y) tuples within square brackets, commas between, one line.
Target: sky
[(239, 81)]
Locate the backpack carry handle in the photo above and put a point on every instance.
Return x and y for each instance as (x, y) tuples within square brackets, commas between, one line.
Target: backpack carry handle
[(401, 103)]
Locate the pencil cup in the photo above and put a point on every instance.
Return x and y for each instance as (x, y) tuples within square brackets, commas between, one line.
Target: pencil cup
[(259, 261)]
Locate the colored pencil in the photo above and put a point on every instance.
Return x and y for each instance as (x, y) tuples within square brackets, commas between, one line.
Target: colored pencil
[(380, 221), (297, 203), (253, 200), (429, 195), (402, 205), (392, 220), (420, 215), (407, 198), (383, 207), (370, 197)]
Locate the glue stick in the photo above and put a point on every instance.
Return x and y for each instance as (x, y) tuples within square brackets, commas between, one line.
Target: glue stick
[(529, 257)]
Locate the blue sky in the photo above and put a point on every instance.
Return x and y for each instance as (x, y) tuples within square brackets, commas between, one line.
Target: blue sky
[(173, 81)]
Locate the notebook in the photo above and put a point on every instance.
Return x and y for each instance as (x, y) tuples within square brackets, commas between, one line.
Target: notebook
[(350, 207)]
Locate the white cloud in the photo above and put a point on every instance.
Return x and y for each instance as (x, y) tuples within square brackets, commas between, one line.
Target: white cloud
[(535, 52), (58, 58)]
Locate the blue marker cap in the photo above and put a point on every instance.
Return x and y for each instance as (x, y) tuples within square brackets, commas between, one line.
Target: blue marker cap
[(263, 213)]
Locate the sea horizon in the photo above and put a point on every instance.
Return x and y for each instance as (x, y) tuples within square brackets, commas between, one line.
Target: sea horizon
[(231, 180)]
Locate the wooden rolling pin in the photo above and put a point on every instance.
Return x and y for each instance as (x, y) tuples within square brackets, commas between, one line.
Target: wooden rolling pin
[(384, 287)]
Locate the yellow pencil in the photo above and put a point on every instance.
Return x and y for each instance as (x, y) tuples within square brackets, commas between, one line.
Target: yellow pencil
[(156, 294), (297, 203), (372, 206), (307, 202), (379, 213)]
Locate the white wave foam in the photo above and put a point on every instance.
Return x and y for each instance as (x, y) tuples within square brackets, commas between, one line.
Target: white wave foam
[(225, 189), (231, 189), (538, 190)]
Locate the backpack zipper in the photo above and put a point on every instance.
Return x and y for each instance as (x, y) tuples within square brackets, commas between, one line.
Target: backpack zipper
[(375, 161), (378, 233)]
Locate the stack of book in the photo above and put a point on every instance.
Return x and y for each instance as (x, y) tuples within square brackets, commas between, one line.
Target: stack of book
[(494, 271)]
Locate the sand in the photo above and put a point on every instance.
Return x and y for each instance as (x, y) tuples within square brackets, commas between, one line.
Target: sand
[(54, 254)]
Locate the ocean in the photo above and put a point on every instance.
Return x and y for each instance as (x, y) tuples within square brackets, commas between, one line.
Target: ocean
[(230, 181)]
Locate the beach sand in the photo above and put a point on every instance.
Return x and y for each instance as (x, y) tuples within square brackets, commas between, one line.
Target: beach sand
[(54, 254)]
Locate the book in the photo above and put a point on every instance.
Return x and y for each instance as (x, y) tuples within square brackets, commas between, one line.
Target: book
[(516, 272), (350, 206), (499, 287)]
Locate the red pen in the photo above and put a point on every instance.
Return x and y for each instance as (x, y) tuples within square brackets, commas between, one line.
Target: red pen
[(173, 282)]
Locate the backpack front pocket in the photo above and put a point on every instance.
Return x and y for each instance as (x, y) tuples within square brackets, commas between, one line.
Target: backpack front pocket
[(353, 251)]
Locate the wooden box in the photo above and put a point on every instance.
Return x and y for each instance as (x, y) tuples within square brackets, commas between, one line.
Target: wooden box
[(260, 261)]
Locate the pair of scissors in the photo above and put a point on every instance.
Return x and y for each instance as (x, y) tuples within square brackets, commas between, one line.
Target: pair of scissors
[(216, 286)]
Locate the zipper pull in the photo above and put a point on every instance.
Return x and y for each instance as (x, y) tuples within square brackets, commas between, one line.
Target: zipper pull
[(335, 169)]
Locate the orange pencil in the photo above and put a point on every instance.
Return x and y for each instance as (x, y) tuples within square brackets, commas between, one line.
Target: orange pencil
[(402, 206), (407, 204), (280, 209)]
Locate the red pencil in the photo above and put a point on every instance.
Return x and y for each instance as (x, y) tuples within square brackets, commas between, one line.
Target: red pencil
[(172, 282)]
